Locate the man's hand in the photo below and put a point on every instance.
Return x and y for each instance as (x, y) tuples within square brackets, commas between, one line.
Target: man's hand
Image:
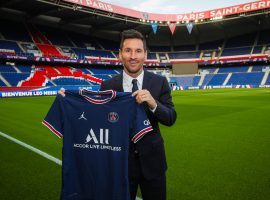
[(145, 96), (62, 92)]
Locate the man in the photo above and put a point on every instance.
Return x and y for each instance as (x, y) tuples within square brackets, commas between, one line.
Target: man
[(147, 162)]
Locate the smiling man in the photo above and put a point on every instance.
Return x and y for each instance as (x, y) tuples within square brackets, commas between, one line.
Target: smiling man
[(147, 162)]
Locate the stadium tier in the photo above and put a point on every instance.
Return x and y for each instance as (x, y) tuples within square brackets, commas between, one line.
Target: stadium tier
[(267, 81), (56, 36), (214, 79), (184, 55), (185, 48), (22, 76), (233, 69), (236, 51), (10, 45), (254, 78), (104, 71), (70, 81), (264, 37), (44, 41), (54, 42), (241, 41), (7, 68), (2, 84), (183, 81), (82, 53), (16, 31), (211, 45), (46, 75), (151, 56), (251, 76)]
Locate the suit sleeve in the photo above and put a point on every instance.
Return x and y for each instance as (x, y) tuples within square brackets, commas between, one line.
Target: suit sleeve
[(54, 118), (165, 112)]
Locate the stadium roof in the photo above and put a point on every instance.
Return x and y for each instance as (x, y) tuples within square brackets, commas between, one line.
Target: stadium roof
[(100, 23)]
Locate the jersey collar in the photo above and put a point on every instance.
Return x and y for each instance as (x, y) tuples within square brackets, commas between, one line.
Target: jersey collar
[(83, 92)]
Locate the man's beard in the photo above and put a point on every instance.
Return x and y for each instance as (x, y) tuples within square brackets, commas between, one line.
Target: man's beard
[(134, 71)]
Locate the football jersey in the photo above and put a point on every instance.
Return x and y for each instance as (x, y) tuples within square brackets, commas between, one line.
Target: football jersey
[(96, 128)]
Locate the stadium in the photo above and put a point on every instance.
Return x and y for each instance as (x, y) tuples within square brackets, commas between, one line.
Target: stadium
[(217, 65)]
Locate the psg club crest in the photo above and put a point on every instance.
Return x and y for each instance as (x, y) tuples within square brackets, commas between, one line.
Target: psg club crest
[(113, 117)]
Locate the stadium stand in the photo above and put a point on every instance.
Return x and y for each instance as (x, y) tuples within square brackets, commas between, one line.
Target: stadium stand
[(209, 70), (233, 69), (103, 71), (82, 53), (109, 45), (236, 51), (185, 48), (267, 81), (184, 55), (215, 79), (4, 44), (160, 49), (81, 41), (264, 37), (12, 30), (15, 78), (253, 78), (257, 50), (53, 42), (211, 45), (151, 56), (56, 36), (196, 81), (70, 81), (207, 79), (7, 68), (241, 41), (2, 84), (257, 68), (24, 68), (184, 81)]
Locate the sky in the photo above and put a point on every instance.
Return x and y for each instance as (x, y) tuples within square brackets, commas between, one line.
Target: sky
[(175, 6)]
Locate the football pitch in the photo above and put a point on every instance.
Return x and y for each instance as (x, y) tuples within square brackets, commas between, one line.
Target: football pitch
[(219, 148)]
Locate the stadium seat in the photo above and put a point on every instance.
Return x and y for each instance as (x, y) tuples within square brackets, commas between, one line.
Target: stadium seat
[(253, 78)]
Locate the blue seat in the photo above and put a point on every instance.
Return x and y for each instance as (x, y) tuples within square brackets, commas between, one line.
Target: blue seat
[(252, 78), (15, 78)]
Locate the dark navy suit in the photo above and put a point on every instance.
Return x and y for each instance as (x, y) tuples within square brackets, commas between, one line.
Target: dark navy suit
[(147, 161)]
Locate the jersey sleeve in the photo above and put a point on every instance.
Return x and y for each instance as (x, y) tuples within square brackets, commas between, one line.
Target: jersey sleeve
[(54, 119), (141, 124)]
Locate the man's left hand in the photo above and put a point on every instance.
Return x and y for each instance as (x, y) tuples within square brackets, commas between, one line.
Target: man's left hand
[(145, 96)]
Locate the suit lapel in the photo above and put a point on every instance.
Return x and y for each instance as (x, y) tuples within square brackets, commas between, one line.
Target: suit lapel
[(119, 83), (146, 80)]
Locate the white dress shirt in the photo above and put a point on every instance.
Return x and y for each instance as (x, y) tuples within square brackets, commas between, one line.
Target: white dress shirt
[(127, 81)]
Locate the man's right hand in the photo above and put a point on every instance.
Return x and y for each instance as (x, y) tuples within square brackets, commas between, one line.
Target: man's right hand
[(62, 92)]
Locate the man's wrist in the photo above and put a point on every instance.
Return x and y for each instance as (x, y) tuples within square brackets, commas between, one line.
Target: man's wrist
[(153, 109)]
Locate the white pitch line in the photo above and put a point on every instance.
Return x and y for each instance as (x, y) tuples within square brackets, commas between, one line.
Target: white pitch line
[(42, 153)]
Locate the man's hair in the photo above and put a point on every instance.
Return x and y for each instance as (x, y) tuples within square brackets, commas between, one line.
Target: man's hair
[(132, 34)]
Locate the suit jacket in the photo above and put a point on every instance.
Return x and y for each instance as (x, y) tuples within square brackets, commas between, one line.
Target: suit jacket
[(150, 149)]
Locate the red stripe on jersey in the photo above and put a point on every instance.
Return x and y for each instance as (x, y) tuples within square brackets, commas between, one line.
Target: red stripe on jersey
[(140, 134), (52, 129)]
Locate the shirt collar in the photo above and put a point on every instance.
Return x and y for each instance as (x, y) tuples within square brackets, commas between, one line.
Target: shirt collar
[(127, 79)]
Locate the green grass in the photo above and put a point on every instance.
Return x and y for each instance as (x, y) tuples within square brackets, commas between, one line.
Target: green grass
[(219, 148)]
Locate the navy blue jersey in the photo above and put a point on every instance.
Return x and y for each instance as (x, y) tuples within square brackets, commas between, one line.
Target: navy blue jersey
[(96, 128)]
